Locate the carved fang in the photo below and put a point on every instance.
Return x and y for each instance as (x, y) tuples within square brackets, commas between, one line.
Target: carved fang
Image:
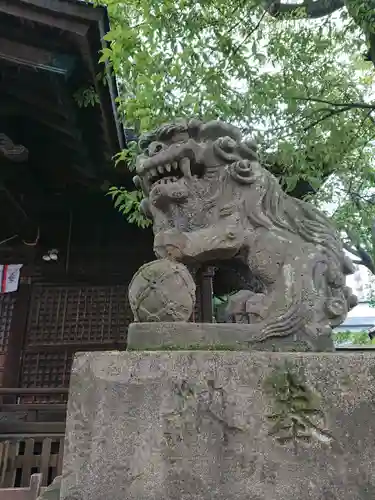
[(185, 167)]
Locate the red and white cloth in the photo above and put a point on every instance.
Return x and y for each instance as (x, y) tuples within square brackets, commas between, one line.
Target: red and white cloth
[(9, 277)]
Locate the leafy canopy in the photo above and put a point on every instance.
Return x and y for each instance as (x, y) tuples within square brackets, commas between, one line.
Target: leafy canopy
[(299, 86)]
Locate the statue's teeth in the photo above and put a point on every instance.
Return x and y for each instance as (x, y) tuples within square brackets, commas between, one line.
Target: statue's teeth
[(185, 167), (153, 172), (160, 169), (175, 165), (168, 167)]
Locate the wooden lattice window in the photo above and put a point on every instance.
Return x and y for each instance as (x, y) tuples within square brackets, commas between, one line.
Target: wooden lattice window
[(7, 302), (46, 369), (78, 315), (65, 319)]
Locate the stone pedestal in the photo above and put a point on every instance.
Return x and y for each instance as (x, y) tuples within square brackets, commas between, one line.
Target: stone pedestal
[(213, 336), (199, 425)]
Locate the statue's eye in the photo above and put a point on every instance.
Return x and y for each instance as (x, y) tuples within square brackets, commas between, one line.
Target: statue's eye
[(228, 144), (155, 148)]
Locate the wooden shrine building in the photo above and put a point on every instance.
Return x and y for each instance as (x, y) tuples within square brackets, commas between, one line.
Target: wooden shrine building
[(58, 133)]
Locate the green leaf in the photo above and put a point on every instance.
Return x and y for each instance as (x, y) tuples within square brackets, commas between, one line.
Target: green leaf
[(291, 182), (230, 60), (106, 54), (119, 199)]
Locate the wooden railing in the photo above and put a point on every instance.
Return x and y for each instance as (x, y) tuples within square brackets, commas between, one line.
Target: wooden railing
[(32, 433), (30, 492), (33, 391), (35, 417), (20, 458)]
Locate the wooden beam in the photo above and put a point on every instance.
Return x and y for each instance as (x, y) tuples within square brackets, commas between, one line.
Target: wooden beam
[(33, 407), (87, 161), (77, 347), (24, 435), (14, 427), (22, 217), (106, 125), (59, 141), (34, 99), (68, 132), (46, 118), (82, 11), (33, 391), (28, 55), (41, 17), (43, 82)]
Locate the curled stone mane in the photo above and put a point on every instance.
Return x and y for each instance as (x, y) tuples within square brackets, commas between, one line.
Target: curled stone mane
[(290, 214), (195, 129), (162, 133)]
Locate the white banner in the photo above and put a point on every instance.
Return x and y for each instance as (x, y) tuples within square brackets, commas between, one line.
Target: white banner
[(10, 277)]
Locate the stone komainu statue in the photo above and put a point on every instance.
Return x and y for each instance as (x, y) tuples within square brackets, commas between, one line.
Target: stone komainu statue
[(211, 201)]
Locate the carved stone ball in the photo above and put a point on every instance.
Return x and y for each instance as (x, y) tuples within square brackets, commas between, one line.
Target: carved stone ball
[(162, 290)]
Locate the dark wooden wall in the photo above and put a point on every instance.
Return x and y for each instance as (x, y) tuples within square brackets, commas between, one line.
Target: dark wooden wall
[(77, 304)]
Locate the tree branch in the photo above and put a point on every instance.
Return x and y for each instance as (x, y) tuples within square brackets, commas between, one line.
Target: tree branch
[(307, 10), (355, 105), (350, 249), (249, 34), (366, 260), (371, 50), (373, 236), (337, 108), (359, 252), (329, 113)]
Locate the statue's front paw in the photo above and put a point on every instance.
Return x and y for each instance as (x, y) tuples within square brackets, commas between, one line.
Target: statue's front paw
[(236, 308), (170, 244)]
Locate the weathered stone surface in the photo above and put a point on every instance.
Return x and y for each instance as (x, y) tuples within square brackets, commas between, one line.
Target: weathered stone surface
[(162, 290), (201, 425), (211, 201), (52, 492), (182, 335)]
